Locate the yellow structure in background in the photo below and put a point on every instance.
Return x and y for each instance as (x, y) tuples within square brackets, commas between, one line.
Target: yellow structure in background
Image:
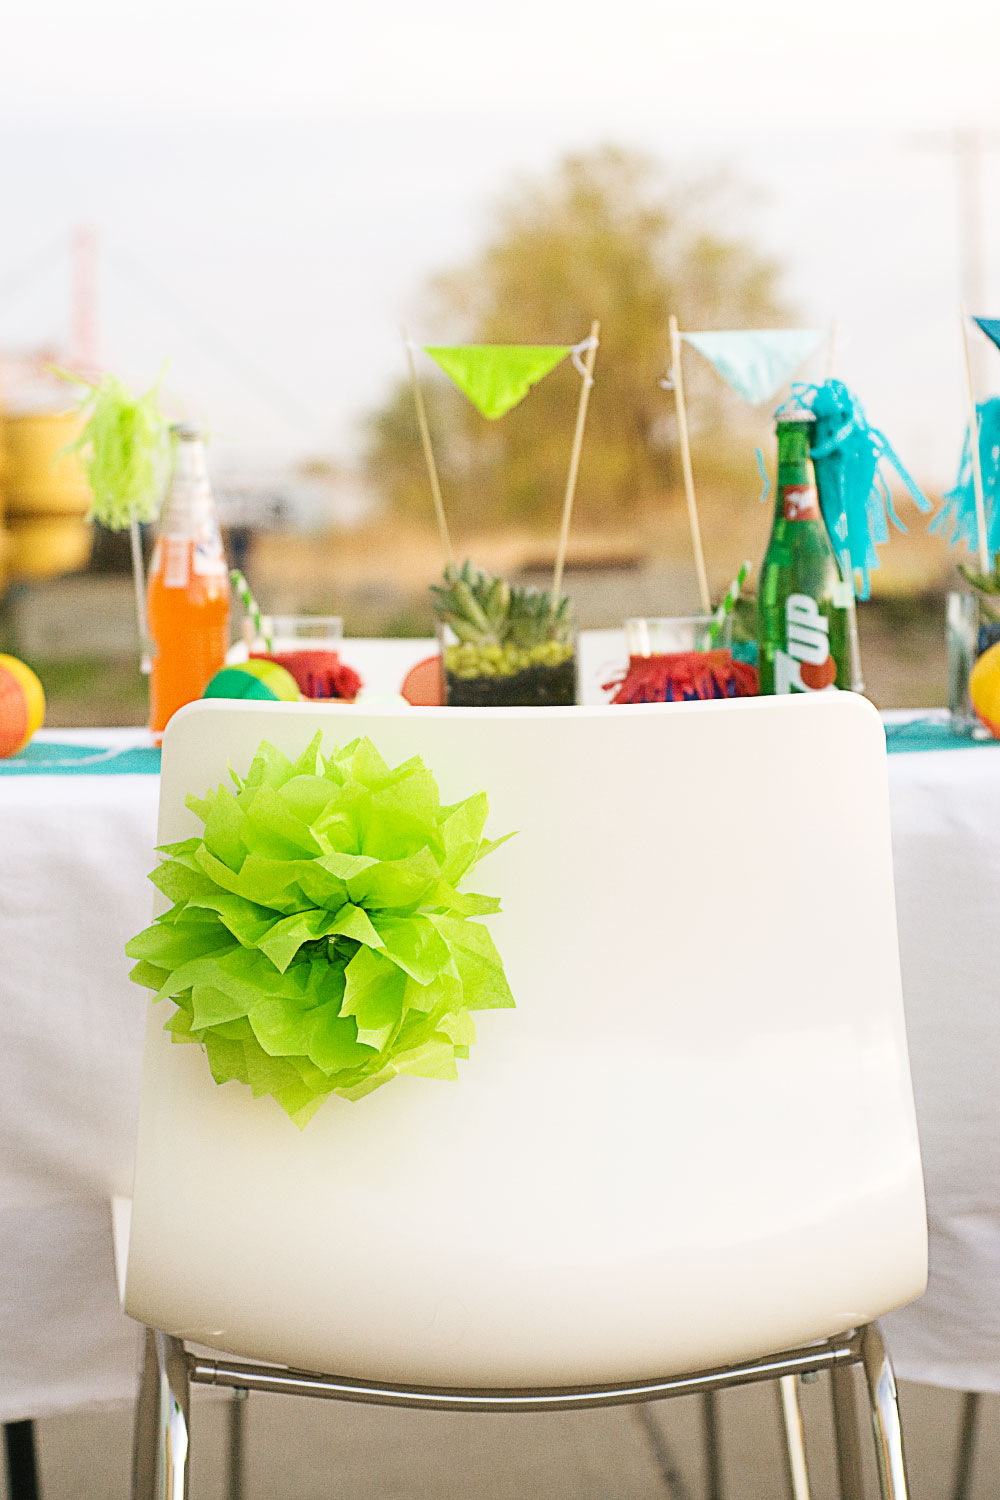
[(4, 540), (43, 497)]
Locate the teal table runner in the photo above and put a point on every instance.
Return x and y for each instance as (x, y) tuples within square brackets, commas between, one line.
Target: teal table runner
[(48, 759), (903, 737), (930, 732)]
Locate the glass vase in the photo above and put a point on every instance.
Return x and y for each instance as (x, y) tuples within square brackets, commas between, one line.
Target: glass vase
[(508, 676)]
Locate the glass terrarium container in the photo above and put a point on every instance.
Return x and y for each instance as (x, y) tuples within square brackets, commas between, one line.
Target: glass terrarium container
[(502, 645), (972, 627)]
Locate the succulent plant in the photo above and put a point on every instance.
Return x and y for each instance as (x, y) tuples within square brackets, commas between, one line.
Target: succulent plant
[(503, 631), (987, 587), (487, 611)]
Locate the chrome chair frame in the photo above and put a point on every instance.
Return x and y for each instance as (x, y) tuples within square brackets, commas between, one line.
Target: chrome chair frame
[(170, 1369)]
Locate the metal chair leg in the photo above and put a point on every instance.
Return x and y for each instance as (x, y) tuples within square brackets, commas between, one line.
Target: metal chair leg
[(235, 1448), (159, 1469), (796, 1471), (672, 1479), (885, 1415), (848, 1439), (966, 1446), (147, 1409), (711, 1445), (21, 1459)]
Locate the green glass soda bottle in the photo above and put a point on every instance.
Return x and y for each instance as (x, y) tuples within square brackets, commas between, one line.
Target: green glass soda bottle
[(803, 603)]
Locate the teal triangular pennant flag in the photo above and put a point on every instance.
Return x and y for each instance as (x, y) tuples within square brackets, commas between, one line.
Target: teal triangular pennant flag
[(496, 377), (757, 362), (991, 328)]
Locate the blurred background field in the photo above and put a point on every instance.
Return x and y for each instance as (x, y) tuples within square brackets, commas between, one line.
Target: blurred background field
[(336, 518), (79, 631)]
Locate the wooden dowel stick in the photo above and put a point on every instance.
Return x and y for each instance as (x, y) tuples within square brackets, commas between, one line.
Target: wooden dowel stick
[(574, 464), (977, 468), (831, 348), (677, 379), (853, 636), (425, 438), (138, 579)]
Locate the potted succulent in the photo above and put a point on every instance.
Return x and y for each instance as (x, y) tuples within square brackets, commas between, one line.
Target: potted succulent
[(501, 644)]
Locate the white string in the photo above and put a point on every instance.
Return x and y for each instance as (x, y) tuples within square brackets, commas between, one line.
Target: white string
[(112, 753), (590, 342), (575, 351)]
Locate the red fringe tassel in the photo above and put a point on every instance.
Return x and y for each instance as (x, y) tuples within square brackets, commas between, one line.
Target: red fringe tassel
[(682, 676)]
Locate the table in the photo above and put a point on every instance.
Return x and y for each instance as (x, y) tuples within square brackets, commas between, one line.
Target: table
[(71, 1035), (946, 853)]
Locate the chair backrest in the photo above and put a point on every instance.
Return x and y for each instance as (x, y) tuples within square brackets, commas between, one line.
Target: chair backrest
[(692, 1141)]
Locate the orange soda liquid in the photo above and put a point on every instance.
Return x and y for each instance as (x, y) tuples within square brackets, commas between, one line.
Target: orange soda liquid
[(188, 610)]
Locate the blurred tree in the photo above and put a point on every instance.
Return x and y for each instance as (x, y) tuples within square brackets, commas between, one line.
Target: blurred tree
[(607, 236)]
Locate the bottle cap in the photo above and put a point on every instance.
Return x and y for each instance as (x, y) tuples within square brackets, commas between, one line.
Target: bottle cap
[(185, 433), (794, 410)]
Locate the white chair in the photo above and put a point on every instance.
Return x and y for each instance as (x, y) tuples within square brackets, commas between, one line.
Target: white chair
[(690, 1146)]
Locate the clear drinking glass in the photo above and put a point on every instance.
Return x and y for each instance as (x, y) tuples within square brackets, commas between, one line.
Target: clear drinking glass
[(673, 658), (292, 632), (665, 634), (969, 632), (306, 646), (962, 635)]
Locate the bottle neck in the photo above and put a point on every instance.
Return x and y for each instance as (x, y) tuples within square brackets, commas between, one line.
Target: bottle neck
[(188, 507), (796, 498)]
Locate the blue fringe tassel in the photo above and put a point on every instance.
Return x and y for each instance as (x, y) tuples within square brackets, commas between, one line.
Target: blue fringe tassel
[(854, 496), (765, 478), (957, 517)]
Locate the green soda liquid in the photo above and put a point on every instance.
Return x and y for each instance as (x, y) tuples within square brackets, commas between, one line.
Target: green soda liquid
[(802, 602)]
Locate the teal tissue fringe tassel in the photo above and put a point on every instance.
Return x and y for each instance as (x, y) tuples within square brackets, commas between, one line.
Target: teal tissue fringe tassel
[(848, 456), (957, 516)]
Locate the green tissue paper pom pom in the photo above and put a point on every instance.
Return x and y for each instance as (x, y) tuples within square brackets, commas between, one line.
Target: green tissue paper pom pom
[(317, 942)]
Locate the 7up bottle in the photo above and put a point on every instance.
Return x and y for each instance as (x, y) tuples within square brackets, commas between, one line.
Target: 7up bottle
[(802, 602)]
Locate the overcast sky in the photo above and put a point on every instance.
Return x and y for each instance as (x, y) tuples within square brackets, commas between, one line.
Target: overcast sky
[(271, 184)]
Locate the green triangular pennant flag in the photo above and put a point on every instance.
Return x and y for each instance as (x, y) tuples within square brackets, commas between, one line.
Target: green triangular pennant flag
[(496, 377), (757, 361)]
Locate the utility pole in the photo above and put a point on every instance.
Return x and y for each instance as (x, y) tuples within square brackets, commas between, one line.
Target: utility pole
[(967, 147), (84, 335)]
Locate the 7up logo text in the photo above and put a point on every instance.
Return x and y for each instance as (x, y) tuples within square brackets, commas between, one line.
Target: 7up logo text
[(806, 664)]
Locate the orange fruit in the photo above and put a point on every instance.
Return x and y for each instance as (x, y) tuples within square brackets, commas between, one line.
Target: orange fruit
[(984, 688), (22, 705)]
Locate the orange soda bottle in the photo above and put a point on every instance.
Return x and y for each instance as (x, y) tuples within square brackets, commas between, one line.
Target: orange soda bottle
[(187, 599)]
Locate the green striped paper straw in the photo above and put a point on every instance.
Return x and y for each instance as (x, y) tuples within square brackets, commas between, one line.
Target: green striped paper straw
[(725, 609), (250, 605)]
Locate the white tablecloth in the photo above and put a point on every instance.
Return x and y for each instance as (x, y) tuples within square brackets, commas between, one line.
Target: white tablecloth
[(946, 849), (74, 853)]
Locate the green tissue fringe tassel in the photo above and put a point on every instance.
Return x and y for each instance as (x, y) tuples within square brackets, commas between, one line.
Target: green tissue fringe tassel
[(125, 448)]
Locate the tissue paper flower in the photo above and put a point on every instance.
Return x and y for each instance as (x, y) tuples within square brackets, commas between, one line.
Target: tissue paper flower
[(318, 942)]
